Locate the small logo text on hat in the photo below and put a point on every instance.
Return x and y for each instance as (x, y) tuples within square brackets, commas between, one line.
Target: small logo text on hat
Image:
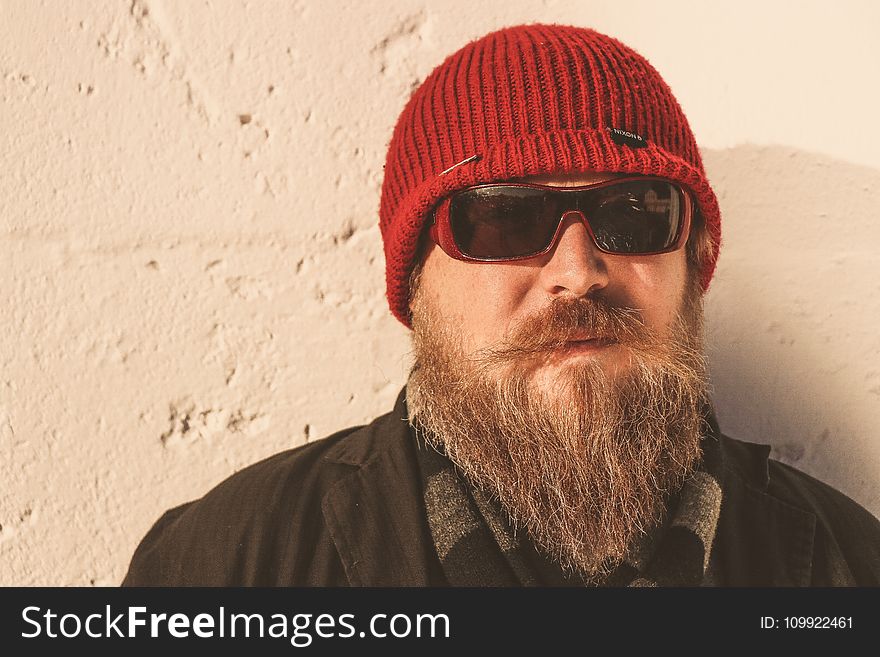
[(631, 139)]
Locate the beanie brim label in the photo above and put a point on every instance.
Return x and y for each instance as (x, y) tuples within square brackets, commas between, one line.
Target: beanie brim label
[(624, 138)]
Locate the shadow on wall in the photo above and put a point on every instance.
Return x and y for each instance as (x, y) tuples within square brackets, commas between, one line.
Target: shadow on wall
[(793, 310)]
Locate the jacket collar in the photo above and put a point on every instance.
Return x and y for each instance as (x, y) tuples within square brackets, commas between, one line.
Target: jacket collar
[(362, 446), (375, 513), (761, 539), (748, 460)]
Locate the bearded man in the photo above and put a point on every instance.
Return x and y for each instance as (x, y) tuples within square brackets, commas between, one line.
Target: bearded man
[(549, 234)]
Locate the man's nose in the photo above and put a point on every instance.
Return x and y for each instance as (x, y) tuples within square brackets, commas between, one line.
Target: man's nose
[(574, 265)]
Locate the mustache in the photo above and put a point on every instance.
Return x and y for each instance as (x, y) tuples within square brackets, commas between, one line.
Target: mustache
[(566, 320)]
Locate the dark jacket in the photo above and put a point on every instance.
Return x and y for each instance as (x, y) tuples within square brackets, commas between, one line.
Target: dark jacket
[(348, 510)]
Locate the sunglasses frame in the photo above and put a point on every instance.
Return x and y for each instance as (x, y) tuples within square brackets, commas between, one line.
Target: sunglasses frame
[(440, 229)]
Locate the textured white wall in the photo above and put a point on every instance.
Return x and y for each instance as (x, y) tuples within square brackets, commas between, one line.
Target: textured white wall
[(192, 273)]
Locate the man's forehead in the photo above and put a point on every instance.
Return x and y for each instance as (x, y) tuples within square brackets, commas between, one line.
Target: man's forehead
[(570, 179)]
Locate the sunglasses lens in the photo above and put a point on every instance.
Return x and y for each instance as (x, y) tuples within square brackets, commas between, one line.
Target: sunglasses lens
[(635, 217), (501, 222)]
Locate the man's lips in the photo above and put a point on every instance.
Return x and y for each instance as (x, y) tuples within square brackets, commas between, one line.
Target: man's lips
[(586, 344), (600, 340)]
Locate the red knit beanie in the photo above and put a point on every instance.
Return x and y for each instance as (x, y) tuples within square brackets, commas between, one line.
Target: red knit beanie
[(526, 100)]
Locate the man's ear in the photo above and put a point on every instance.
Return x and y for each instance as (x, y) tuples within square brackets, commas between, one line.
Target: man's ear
[(423, 248), (415, 278), (699, 243)]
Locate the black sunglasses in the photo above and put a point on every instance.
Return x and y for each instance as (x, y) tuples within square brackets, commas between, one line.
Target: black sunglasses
[(638, 215)]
